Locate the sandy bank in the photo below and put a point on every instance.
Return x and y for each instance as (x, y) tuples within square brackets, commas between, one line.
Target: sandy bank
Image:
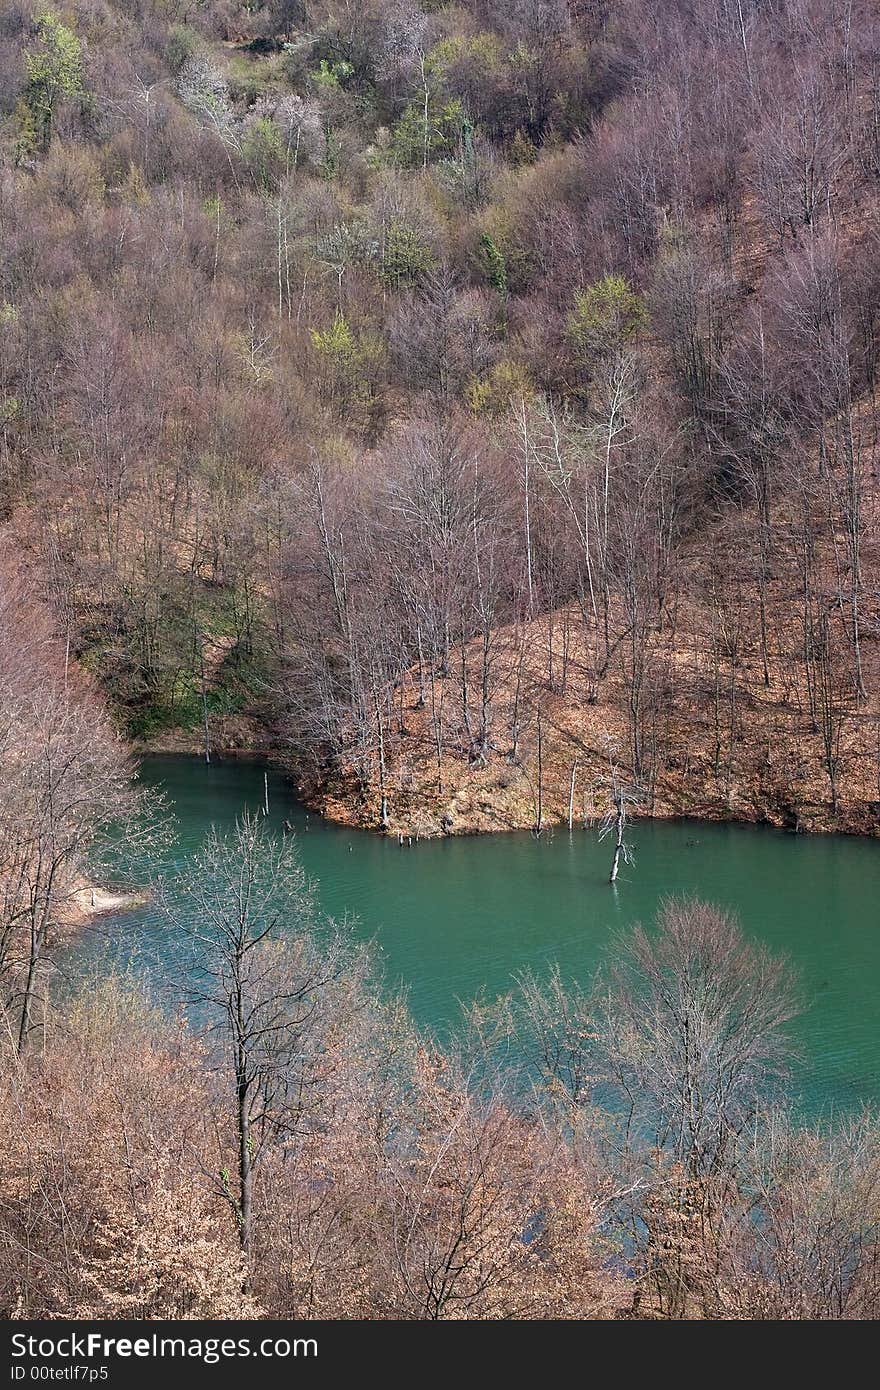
[(87, 901)]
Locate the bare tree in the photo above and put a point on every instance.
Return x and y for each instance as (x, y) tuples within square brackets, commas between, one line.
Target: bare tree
[(67, 799), (694, 1027), (263, 986)]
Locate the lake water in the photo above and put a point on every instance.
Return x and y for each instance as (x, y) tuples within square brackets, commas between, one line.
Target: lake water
[(459, 916)]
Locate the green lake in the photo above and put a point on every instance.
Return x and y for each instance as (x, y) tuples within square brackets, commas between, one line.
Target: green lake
[(459, 916)]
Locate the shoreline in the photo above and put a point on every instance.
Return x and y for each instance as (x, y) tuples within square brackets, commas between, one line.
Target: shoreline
[(423, 821), (88, 901), (809, 821)]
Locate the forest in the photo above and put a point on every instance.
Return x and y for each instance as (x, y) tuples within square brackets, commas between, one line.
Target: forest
[(379, 384), (473, 408)]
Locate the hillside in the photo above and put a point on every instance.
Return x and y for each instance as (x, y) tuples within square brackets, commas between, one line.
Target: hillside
[(723, 745), (473, 406), (335, 344)]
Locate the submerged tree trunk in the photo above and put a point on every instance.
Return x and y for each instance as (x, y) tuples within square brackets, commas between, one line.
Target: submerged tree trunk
[(619, 825)]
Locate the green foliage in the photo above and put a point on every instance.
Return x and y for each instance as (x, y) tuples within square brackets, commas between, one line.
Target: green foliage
[(414, 143), (263, 151), (171, 696), (182, 43), (350, 364), (406, 257), (481, 51), (494, 263), (504, 256), (605, 316), (336, 344), (330, 77), (53, 68), (495, 391)]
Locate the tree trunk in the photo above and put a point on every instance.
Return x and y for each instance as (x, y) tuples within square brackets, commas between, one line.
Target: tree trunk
[(205, 708), (619, 823), (539, 818), (383, 790), (245, 1168)]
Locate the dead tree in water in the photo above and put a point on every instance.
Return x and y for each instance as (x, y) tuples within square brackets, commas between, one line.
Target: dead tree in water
[(623, 798)]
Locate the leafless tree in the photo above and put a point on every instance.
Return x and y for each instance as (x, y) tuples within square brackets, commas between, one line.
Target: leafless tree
[(262, 987)]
